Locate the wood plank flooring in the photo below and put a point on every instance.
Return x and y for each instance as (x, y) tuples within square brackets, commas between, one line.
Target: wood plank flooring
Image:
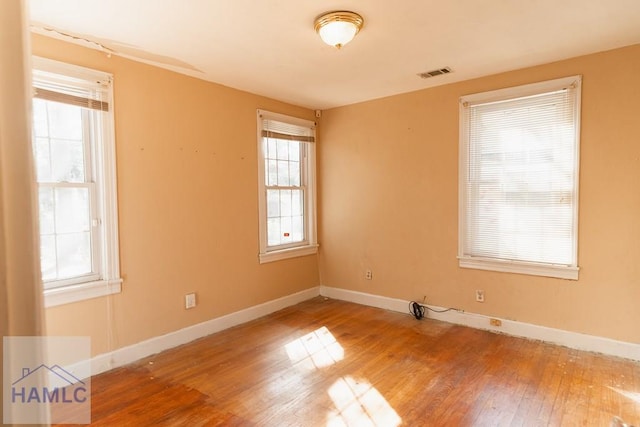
[(333, 363)]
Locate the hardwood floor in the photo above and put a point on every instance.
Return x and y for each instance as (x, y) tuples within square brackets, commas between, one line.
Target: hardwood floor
[(332, 363)]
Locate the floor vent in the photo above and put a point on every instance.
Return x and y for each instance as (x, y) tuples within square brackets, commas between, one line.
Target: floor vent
[(433, 73)]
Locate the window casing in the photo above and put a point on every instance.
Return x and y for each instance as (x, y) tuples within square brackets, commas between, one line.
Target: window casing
[(286, 180), (74, 157), (518, 185)]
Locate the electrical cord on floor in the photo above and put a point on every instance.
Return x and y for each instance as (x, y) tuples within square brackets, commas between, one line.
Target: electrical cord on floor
[(418, 310)]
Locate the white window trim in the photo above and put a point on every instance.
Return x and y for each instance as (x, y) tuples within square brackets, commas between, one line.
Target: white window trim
[(107, 205), (521, 267), (80, 292), (310, 246), (512, 266)]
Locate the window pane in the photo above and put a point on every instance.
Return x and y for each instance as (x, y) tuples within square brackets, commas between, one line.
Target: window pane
[(272, 152), (42, 159), (72, 210), (285, 216), (297, 231), (40, 125), (283, 173), (285, 203), (294, 151), (285, 229), (272, 172), (294, 173), (74, 254), (65, 121), (283, 150), (282, 163), (297, 207), (48, 257), (46, 210), (67, 160), (58, 145), (273, 203), (273, 232)]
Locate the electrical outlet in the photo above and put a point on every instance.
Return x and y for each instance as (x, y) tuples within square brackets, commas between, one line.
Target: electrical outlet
[(479, 295), (368, 275), (495, 322), (190, 300)]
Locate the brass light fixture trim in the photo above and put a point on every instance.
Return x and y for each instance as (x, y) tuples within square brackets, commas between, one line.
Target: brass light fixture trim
[(325, 20)]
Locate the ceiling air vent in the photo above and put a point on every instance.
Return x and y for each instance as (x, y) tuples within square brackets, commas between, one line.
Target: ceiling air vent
[(433, 73)]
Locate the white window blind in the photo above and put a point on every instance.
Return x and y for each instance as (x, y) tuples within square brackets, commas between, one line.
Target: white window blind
[(79, 88), (287, 131), (519, 179)]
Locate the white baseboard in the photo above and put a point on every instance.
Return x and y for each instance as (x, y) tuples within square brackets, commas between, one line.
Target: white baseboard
[(130, 354), (123, 356), (569, 339)]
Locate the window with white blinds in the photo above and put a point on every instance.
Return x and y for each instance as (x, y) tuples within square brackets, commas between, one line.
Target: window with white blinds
[(286, 147), (519, 158), (74, 153)]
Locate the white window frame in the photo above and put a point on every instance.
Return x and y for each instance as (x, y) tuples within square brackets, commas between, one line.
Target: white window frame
[(105, 279), (308, 179), (504, 265)]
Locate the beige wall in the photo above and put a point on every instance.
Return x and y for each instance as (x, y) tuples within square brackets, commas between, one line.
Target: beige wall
[(388, 176), (388, 172), (188, 205)]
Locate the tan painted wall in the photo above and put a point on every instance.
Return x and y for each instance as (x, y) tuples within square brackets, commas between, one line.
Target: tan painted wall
[(387, 170), (389, 201), (188, 205)]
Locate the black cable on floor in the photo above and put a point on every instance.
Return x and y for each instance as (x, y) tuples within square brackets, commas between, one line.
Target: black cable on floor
[(418, 310)]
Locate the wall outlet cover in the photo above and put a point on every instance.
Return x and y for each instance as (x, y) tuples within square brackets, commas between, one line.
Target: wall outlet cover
[(190, 300)]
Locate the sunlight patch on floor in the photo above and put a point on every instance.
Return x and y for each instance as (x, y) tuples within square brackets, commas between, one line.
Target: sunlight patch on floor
[(317, 349), (633, 395), (358, 403)]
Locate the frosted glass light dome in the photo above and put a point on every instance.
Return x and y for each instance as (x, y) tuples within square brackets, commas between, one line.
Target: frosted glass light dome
[(338, 28)]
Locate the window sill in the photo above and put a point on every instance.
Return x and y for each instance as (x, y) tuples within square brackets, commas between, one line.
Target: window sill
[(80, 292), (288, 253), (530, 268)]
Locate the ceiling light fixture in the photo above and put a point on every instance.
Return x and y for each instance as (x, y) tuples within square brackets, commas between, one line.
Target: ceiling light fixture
[(338, 28)]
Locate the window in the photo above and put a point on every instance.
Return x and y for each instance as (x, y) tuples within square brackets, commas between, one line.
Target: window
[(519, 157), (286, 159), (74, 153)]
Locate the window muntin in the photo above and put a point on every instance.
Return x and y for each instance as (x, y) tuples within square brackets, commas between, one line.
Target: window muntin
[(287, 196), (519, 179), (74, 157)]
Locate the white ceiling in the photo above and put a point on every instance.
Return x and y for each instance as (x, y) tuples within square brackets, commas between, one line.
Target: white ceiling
[(269, 47)]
